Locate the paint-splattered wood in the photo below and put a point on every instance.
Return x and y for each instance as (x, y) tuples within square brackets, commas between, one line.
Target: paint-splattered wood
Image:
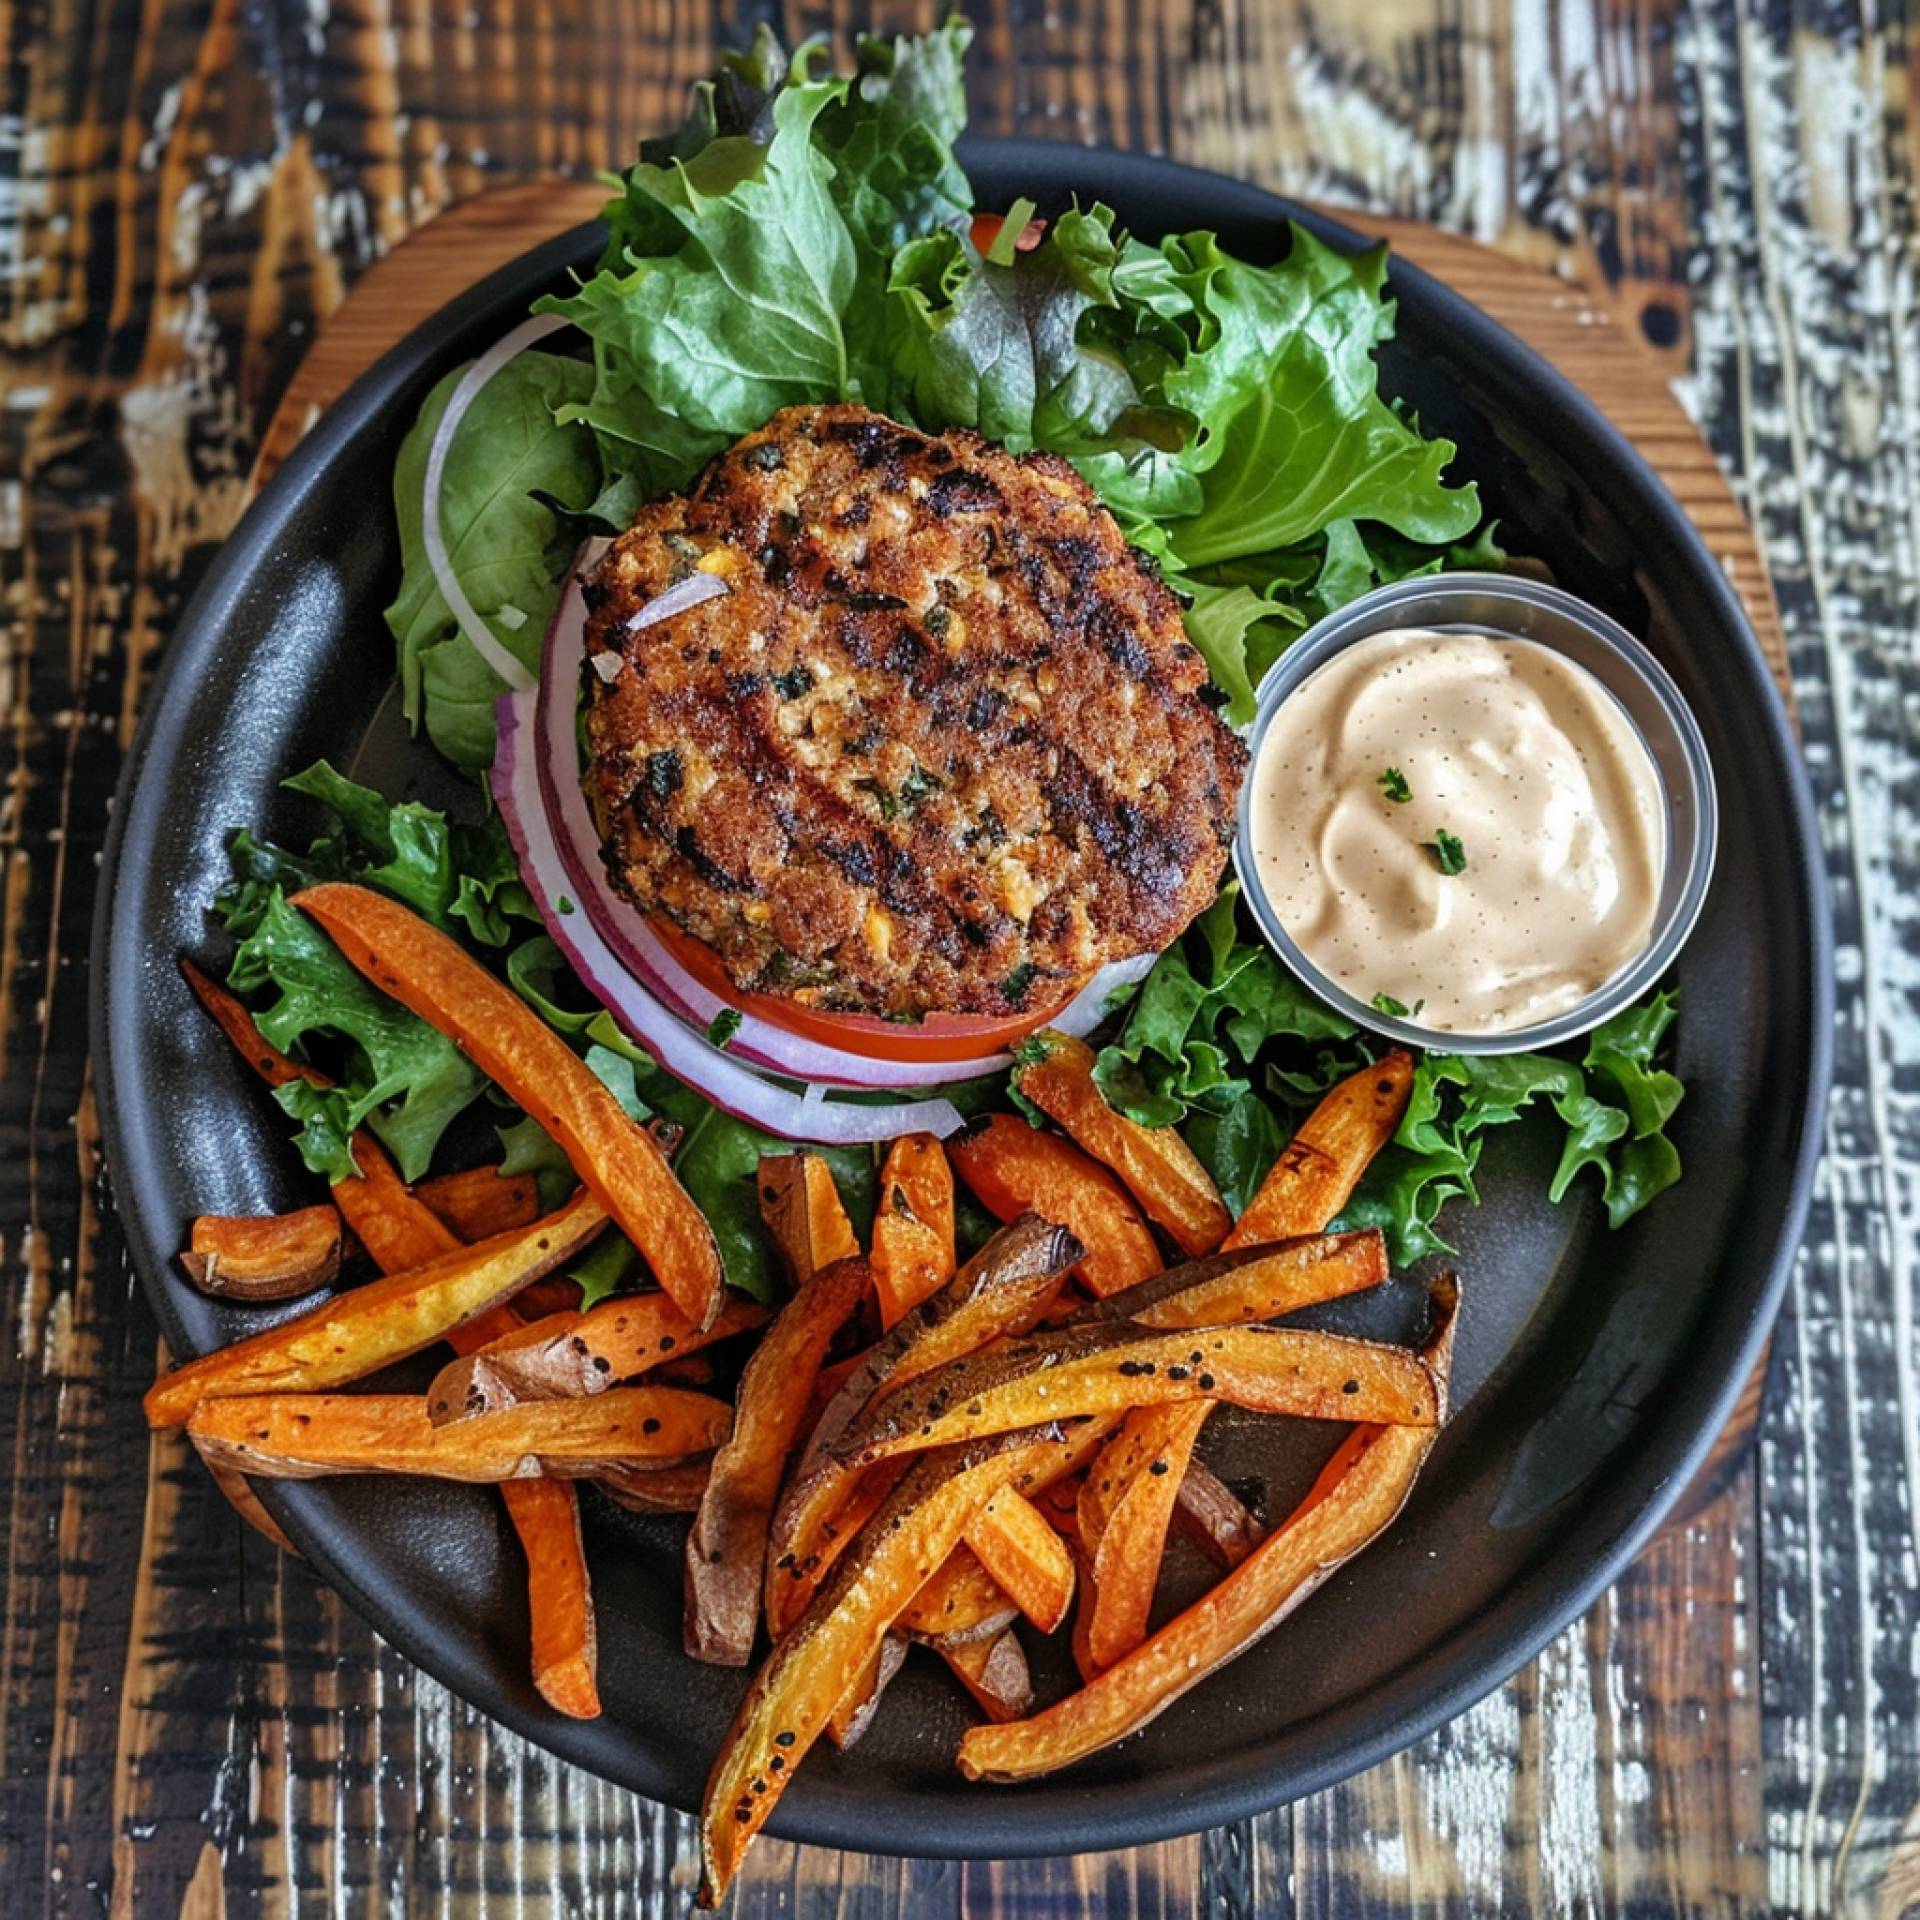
[(187, 1723)]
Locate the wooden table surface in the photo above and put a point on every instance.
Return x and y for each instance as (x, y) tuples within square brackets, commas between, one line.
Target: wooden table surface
[(189, 1722)]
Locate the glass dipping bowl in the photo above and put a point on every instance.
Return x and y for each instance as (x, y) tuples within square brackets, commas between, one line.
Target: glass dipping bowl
[(1508, 608)]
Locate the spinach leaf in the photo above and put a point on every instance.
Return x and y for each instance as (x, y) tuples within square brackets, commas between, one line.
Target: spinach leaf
[(512, 444), (723, 289)]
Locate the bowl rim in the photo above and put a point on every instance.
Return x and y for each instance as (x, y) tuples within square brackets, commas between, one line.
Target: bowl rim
[(1364, 618), (1674, 1438)]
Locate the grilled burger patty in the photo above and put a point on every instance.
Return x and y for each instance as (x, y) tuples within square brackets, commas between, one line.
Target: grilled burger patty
[(940, 749)]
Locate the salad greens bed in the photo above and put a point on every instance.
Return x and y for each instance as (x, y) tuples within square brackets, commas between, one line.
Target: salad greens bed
[(804, 237)]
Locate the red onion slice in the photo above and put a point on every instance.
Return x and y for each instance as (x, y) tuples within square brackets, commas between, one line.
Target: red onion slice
[(695, 590), (433, 540)]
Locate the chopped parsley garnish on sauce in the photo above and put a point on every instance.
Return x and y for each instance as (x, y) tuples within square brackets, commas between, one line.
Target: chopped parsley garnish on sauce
[(1393, 783), (1448, 853), (1396, 1009)]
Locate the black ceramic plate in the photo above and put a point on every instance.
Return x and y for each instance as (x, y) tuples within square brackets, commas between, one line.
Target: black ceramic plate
[(1594, 1369)]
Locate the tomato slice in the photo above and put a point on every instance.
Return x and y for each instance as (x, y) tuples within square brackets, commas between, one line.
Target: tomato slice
[(986, 230), (940, 1036)]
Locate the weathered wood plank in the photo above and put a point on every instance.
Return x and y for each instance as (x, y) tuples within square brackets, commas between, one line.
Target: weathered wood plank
[(1136, 1883), (1800, 179), (185, 190)]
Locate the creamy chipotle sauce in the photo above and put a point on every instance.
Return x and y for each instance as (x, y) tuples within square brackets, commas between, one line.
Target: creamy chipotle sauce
[(1461, 829)]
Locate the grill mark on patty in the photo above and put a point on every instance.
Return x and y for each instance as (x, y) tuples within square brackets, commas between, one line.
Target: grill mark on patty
[(1137, 848)]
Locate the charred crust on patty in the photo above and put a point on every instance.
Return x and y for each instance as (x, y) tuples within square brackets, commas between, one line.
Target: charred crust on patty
[(944, 745)]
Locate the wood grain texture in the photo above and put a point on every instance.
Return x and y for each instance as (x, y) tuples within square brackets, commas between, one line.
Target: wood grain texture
[(189, 1724)]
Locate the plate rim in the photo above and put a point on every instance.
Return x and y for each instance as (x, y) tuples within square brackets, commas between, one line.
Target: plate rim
[(1056, 1818)]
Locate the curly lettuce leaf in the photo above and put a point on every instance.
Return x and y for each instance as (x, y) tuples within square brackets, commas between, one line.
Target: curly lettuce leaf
[(1295, 435), (732, 100), (1457, 1098), (399, 1076), (393, 1071), (1203, 1018), (1240, 634), (891, 139), (992, 341), (459, 876)]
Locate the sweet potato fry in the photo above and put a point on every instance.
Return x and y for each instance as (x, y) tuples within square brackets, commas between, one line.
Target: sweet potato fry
[(555, 1294), (397, 1230), (275, 1256), (246, 1503), (479, 1202), (1215, 1518), (1358, 1495), (643, 1487), (1250, 1283), (1014, 1169), (1137, 1478), (793, 1580), (1009, 1280), (1315, 1376), (1137, 1441), (690, 1370), (832, 1378), (1025, 1556), (802, 1211), (546, 1519), (1321, 1165), (568, 1355), (619, 1162), (787, 1704), (1160, 1170), (727, 1549), (962, 1602), (913, 1255), (1059, 1503), (995, 1672), (230, 1014), (303, 1436), (1080, 1642), (853, 1712), (546, 1516), (357, 1333)]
